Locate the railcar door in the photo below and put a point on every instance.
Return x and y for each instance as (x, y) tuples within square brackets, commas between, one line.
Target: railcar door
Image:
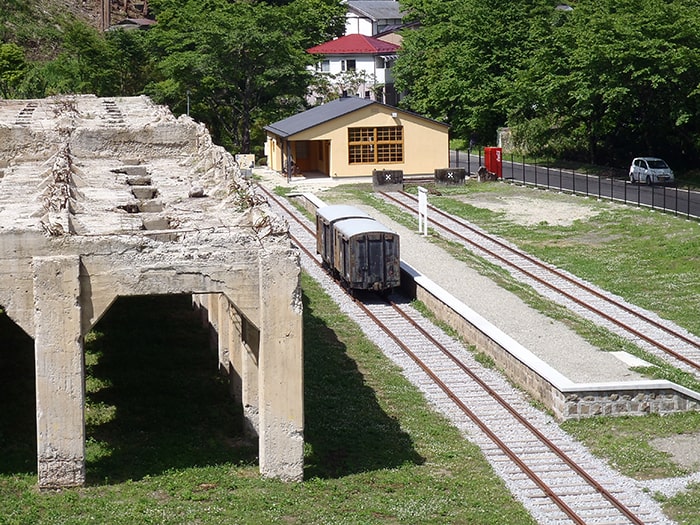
[(374, 271), (321, 233), (392, 261), (359, 263), (382, 260)]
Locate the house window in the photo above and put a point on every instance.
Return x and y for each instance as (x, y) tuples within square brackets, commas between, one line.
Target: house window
[(324, 65), (348, 65), (375, 145)]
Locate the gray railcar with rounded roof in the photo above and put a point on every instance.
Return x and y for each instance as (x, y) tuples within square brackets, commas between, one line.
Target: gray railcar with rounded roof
[(362, 252)]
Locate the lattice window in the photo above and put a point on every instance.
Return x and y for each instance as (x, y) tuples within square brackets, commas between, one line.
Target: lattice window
[(375, 145)]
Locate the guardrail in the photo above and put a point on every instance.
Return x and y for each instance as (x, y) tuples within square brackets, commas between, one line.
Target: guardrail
[(612, 185)]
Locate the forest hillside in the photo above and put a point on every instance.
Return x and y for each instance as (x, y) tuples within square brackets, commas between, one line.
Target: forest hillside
[(36, 25)]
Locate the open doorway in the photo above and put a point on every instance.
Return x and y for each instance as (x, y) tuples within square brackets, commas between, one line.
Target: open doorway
[(312, 157), (155, 398)]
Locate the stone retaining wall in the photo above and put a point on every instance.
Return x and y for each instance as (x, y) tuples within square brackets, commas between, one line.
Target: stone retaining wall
[(626, 402)]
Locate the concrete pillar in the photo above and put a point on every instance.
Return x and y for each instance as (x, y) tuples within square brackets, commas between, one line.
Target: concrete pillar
[(223, 332), (106, 15), (213, 307), (196, 302), (235, 354), (201, 300), (250, 384), (60, 372), (281, 366)]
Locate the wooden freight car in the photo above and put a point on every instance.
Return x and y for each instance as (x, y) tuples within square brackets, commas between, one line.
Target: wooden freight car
[(359, 250)]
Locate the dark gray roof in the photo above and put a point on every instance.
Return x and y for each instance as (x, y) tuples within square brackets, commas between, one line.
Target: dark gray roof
[(377, 10), (327, 112), (317, 115)]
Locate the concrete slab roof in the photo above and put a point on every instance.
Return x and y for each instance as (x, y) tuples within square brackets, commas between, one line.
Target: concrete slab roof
[(84, 165), (144, 200)]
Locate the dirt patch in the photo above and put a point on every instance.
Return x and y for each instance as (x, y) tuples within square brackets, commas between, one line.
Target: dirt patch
[(530, 211), (683, 448)]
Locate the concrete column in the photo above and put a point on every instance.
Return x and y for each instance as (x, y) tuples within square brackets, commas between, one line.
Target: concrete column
[(60, 372), (213, 300), (250, 383), (195, 302), (235, 354), (201, 300), (223, 332), (281, 366)]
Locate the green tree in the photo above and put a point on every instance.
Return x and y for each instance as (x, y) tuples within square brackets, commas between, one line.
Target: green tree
[(457, 66), (115, 63), (315, 21), (13, 67), (242, 64), (615, 79), (130, 63), (84, 64)]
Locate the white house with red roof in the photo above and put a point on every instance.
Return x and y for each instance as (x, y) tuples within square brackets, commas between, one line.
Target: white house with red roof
[(358, 65)]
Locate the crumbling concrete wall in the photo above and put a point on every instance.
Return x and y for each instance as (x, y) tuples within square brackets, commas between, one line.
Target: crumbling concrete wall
[(101, 198)]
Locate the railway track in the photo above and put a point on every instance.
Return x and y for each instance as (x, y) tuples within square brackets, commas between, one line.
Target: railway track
[(651, 333), (555, 478)]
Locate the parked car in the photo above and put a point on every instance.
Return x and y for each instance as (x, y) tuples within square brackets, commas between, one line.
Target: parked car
[(651, 170)]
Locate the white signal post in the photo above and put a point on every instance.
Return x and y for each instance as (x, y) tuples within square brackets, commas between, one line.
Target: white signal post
[(422, 210)]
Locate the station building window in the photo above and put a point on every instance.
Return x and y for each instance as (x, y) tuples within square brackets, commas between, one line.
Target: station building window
[(375, 145)]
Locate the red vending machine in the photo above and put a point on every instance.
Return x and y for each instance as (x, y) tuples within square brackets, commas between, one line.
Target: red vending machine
[(493, 159)]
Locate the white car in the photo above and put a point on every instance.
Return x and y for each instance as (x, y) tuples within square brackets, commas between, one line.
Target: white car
[(650, 170)]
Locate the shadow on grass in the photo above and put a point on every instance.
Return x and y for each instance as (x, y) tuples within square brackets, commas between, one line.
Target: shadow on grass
[(346, 430), (17, 400), (156, 400)]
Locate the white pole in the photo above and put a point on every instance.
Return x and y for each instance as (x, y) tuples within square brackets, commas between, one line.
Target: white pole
[(422, 210)]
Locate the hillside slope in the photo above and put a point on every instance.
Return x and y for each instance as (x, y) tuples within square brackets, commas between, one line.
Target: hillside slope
[(36, 25)]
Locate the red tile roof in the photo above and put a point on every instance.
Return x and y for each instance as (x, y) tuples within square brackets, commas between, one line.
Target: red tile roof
[(353, 45)]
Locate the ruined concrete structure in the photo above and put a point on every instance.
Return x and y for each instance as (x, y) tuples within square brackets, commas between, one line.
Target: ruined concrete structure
[(101, 198)]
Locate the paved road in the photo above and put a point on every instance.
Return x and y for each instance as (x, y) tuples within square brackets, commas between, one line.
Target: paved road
[(675, 199)]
